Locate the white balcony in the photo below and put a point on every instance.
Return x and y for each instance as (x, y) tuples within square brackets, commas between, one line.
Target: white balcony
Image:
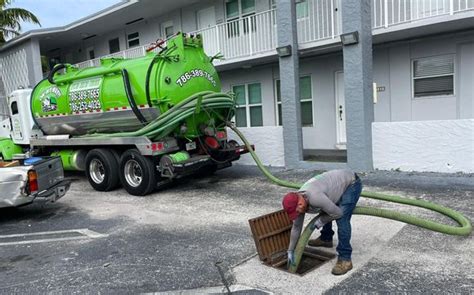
[(393, 12), (256, 35)]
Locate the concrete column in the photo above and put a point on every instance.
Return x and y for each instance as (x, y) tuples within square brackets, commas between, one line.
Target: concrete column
[(35, 72), (356, 16), (289, 82)]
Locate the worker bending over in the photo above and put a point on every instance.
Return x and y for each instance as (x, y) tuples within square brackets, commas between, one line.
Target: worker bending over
[(333, 195)]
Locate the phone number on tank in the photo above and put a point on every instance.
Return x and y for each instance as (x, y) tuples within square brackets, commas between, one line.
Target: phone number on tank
[(187, 76)]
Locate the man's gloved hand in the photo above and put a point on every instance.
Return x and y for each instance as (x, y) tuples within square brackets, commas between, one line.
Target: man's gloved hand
[(291, 257), (316, 225)]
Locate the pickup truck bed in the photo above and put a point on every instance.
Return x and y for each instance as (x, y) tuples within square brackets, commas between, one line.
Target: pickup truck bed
[(14, 182)]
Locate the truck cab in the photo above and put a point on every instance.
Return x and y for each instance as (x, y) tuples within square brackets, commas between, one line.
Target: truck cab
[(20, 126)]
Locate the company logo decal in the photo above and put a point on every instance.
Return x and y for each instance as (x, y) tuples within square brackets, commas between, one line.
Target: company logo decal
[(49, 99)]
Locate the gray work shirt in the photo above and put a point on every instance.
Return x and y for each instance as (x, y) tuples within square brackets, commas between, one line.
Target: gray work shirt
[(322, 192)]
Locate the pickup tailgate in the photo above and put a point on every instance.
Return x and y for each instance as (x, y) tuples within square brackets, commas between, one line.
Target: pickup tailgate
[(49, 172)]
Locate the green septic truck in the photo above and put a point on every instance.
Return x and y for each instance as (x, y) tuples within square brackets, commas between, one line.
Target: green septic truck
[(139, 123)]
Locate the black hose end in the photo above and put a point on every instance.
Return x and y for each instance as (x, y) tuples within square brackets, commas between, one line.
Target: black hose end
[(56, 68)]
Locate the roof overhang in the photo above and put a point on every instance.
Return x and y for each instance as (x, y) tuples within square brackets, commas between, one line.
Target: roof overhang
[(115, 17)]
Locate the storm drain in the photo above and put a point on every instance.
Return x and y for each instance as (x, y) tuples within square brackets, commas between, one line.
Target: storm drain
[(50, 236), (271, 233)]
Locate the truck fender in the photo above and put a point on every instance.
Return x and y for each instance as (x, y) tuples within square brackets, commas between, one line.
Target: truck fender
[(8, 148)]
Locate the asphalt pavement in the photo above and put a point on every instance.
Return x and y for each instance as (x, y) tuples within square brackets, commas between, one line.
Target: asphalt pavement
[(170, 240)]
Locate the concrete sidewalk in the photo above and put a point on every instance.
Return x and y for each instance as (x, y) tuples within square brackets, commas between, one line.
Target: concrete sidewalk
[(389, 256)]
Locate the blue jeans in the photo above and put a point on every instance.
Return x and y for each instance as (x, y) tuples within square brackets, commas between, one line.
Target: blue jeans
[(347, 203)]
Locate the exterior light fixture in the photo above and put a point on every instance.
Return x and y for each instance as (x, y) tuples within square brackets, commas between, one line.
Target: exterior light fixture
[(284, 51), (350, 38)]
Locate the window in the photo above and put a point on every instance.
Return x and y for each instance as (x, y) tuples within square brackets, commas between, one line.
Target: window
[(14, 107), (238, 9), (249, 105), (232, 9), (167, 29), (91, 54), (301, 8), (114, 45), (306, 100), (133, 39), (433, 76)]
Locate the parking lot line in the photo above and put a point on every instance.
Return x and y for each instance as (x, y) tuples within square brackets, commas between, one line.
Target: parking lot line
[(82, 233)]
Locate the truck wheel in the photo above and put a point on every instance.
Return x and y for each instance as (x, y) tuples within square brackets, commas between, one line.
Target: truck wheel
[(102, 169), (137, 173)]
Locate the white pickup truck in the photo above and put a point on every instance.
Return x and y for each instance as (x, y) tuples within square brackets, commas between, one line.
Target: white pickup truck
[(25, 181)]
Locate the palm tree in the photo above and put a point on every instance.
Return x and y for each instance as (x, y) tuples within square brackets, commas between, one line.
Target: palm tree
[(10, 19)]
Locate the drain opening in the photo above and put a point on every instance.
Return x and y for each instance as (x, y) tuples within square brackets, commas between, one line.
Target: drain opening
[(312, 258), (271, 233)]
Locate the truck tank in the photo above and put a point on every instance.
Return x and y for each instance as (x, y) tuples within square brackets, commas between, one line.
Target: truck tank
[(123, 94)]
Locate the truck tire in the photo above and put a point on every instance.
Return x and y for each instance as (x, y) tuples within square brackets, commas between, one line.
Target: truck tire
[(137, 173), (102, 169)]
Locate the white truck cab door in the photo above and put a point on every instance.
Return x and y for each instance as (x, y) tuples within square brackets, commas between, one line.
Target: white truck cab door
[(16, 122), (20, 115)]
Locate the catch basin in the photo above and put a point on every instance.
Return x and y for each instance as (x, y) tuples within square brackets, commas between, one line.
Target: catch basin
[(271, 233)]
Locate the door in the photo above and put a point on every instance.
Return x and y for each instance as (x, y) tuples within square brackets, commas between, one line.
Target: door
[(16, 121), (69, 58), (167, 29), (340, 111), (206, 18), (90, 53), (206, 22)]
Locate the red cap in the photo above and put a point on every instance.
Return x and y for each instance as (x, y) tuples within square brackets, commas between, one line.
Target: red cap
[(290, 202)]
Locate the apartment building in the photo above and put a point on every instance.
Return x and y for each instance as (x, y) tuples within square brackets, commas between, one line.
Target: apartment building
[(423, 70)]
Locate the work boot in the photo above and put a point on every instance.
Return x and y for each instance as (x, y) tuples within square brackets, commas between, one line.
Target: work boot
[(320, 243), (341, 267)]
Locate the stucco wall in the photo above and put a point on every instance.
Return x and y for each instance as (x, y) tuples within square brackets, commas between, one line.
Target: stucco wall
[(435, 146), (392, 70), (466, 85), (21, 65), (268, 143), (322, 135)]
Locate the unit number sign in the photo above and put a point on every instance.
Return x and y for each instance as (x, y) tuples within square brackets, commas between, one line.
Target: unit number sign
[(84, 95)]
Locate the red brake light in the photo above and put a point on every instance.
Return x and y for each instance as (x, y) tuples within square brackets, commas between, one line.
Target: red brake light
[(212, 142), (32, 181), (157, 146), (221, 135)]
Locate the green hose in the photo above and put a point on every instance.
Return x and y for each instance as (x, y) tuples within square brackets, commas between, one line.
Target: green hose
[(464, 229), (164, 124), (168, 121)]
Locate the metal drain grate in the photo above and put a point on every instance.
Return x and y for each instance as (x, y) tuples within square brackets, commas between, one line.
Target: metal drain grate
[(51, 236), (271, 233)]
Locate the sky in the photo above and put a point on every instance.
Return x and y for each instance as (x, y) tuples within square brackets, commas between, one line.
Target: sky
[(53, 13)]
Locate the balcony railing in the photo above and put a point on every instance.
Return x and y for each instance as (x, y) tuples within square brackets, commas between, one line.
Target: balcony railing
[(393, 12), (243, 37), (256, 35), (129, 53)]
